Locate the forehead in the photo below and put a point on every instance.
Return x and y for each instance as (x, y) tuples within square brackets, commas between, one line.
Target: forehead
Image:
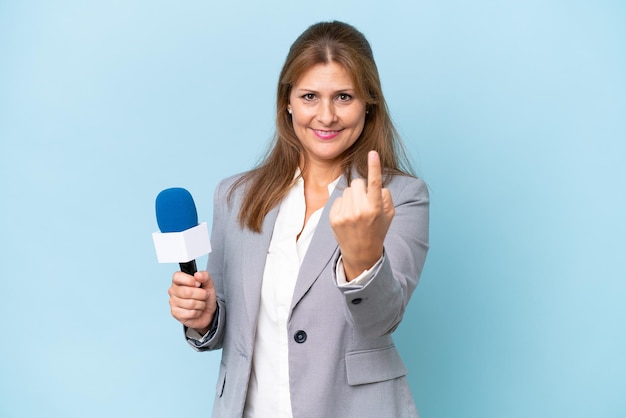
[(330, 75)]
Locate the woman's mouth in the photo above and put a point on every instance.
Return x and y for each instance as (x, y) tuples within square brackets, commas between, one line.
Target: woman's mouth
[(322, 134)]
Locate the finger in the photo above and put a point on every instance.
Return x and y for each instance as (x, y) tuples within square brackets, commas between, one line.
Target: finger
[(358, 190), (187, 304), (183, 279), (347, 201), (340, 204), (188, 292), (374, 176), (182, 314), (335, 210)]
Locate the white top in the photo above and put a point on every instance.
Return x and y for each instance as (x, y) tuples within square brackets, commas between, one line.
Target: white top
[(268, 388)]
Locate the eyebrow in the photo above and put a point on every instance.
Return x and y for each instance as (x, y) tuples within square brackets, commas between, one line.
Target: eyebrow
[(346, 90)]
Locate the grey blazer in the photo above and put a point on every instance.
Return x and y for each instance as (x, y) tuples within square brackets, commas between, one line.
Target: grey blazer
[(342, 359)]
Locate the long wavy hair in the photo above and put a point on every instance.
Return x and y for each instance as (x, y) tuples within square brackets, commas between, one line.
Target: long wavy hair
[(267, 184)]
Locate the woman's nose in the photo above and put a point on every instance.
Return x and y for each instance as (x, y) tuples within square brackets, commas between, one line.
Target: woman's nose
[(326, 113)]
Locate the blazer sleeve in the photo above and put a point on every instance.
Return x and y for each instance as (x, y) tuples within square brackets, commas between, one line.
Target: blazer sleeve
[(377, 308), (215, 267)]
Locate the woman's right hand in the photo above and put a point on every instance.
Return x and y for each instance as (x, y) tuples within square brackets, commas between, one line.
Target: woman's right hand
[(192, 300)]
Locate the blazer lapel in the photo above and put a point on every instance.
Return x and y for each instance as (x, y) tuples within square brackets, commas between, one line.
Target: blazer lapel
[(254, 254), (321, 249)]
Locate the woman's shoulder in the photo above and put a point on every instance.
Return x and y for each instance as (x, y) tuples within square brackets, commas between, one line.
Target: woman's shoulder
[(231, 189), (403, 180), (226, 184), (405, 184)]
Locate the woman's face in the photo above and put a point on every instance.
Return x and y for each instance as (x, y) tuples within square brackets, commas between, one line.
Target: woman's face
[(327, 115)]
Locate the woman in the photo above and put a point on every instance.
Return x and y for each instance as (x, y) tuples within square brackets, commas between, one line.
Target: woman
[(316, 252)]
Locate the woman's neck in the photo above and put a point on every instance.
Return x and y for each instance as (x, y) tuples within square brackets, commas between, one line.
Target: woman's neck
[(319, 176)]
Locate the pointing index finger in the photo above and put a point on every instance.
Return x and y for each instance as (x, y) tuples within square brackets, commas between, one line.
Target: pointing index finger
[(374, 175)]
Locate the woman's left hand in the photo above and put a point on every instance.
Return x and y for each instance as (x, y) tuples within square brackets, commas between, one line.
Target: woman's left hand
[(360, 219)]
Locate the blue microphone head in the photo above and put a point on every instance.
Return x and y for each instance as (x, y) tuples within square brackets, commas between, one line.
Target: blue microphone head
[(175, 210)]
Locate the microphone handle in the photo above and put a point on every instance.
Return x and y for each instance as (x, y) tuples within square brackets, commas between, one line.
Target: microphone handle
[(189, 267)]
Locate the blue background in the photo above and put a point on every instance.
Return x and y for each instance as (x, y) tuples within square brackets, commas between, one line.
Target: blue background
[(513, 112)]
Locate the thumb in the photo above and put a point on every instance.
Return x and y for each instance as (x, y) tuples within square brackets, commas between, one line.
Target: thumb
[(388, 209), (202, 279)]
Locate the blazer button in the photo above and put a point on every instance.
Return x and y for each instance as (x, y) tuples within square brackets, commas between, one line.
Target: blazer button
[(300, 336), (356, 301)]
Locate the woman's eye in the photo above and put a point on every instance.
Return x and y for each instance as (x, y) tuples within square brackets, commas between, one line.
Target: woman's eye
[(343, 97), (309, 96)]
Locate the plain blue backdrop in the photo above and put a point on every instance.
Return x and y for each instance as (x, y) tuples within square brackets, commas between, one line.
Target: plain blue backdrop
[(513, 112)]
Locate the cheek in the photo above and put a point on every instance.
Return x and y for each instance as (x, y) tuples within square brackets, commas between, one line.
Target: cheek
[(357, 117), (300, 126), (359, 128), (302, 117), (298, 120), (359, 123)]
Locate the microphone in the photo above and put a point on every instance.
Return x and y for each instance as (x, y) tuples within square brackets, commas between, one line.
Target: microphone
[(182, 239)]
